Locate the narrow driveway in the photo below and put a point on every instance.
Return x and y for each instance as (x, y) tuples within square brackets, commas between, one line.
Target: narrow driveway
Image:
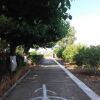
[(48, 82)]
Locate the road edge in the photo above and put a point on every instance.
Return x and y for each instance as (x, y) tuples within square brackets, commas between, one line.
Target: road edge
[(14, 85), (91, 94)]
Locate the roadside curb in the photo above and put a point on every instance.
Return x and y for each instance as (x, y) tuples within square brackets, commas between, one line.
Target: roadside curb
[(13, 86), (91, 94)]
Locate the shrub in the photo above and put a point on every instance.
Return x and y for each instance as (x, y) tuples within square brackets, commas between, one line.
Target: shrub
[(58, 52), (70, 52), (33, 53), (81, 58), (94, 56), (90, 57), (35, 57)]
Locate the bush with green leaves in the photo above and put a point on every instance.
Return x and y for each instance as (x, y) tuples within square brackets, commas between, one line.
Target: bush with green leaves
[(89, 56), (81, 58), (58, 52), (94, 57), (35, 57), (70, 52), (33, 53)]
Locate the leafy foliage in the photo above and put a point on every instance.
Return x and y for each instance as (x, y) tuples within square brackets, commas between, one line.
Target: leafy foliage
[(38, 10), (69, 53), (33, 53), (58, 52), (20, 50), (66, 41), (83, 56), (69, 38), (28, 23), (16, 33), (4, 47), (35, 57), (89, 56)]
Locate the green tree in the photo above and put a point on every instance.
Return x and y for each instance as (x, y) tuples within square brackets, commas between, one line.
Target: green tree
[(69, 38), (70, 52), (28, 23), (4, 46), (16, 33), (44, 10), (32, 22)]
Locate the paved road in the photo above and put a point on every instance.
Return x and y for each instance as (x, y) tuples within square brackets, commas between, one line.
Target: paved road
[(48, 77)]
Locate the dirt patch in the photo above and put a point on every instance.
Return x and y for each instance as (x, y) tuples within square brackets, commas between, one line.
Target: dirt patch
[(87, 76)]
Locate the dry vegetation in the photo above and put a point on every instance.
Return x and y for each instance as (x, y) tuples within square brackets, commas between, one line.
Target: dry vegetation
[(86, 75), (9, 79)]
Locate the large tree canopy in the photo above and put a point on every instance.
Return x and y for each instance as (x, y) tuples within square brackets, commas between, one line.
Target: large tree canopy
[(30, 22), (69, 38), (27, 10)]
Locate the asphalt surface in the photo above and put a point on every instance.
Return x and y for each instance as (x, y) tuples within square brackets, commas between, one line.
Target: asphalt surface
[(48, 82)]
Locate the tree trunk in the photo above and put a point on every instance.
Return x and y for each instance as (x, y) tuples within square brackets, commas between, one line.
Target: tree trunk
[(13, 61), (12, 49), (25, 59), (94, 68), (26, 49)]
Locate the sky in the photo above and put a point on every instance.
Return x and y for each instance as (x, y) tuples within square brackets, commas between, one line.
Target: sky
[(86, 20)]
